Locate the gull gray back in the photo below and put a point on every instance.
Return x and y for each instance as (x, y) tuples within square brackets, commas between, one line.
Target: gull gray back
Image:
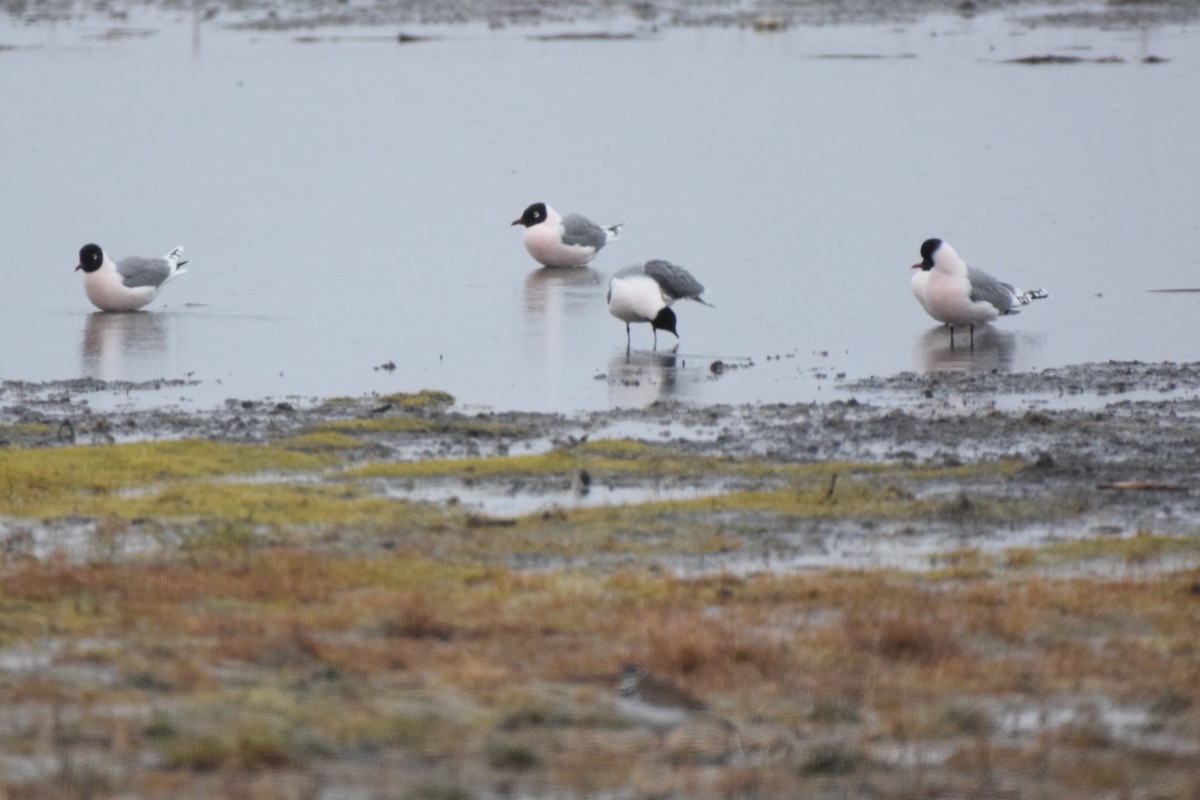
[(676, 282), (581, 231), (990, 290), (139, 271)]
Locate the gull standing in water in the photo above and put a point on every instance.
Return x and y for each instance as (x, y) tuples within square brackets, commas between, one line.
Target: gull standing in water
[(645, 292), (958, 295)]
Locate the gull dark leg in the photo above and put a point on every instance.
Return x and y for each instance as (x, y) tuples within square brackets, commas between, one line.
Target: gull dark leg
[(972, 335), (951, 337)]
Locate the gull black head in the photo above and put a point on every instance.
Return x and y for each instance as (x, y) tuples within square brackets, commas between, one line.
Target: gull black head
[(533, 215), (665, 321), (90, 258), (928, 248)]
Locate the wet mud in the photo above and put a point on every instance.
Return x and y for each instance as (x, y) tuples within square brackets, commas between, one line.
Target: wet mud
[(301, 14), (1120, 440), (937, 585)]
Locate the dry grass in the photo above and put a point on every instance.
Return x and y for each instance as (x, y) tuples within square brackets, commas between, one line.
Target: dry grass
[(278, 655), (299, 635)]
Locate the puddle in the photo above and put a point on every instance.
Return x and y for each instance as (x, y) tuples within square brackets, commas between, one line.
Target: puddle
[(520, 498), (936, 546), (80, 538), (1097, 714)]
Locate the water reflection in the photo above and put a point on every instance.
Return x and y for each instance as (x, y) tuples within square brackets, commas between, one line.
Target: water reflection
[(551, 291), (994, 350), (115, 341), (640, 377)]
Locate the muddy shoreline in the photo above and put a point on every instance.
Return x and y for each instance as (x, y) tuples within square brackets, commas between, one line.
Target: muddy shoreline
[(940, 585), (1116, 442), (1129, 413), (261, 15)]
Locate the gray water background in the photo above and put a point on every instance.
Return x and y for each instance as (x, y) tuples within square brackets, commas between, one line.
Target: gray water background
[(346, 203)]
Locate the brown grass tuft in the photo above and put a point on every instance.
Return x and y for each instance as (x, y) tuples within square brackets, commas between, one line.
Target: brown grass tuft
[(922, 633), (418, 615)]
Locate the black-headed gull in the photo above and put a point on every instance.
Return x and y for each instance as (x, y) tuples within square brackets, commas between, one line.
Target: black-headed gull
[(957, 295), (557, 241), (645, 292), (128, 284)]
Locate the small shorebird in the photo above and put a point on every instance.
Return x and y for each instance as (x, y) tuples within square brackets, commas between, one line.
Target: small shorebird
[(658, 703)]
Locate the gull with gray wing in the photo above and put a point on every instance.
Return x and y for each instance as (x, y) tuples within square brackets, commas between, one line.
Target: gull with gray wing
[(645, 292), (128, 284), (958, 295), (557, 241)]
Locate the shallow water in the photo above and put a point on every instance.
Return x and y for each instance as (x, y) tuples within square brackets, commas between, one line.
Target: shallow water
[(346, 203)]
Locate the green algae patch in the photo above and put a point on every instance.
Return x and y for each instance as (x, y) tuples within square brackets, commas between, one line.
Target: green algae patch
[(411, 423), (426, 398), (635, 459), (327, 441), (25, 434), (277, 505), (393, 423), (1141, 548), (497, 466), (607, 456), (52, 482)]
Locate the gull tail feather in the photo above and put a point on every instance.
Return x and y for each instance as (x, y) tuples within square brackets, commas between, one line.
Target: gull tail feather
[(1025, 298), (174, 257)]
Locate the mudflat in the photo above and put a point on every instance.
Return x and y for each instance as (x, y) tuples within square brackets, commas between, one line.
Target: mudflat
[(919, 588)]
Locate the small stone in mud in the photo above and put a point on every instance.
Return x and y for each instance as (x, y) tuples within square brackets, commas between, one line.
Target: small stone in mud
[(1152, 60), (1047, 59), (1044, 461), (717, 367), (284, 408), (769, 23), (1058, 59), (583, 36), (389, 366)]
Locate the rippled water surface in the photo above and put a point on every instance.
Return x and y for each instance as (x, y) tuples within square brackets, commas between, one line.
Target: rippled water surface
[(346, 201)]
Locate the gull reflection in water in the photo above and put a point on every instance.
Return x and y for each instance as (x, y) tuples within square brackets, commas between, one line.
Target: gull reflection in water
[(640, 377), (122, 345), (556, 298), (551, 291), (993, 350)]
